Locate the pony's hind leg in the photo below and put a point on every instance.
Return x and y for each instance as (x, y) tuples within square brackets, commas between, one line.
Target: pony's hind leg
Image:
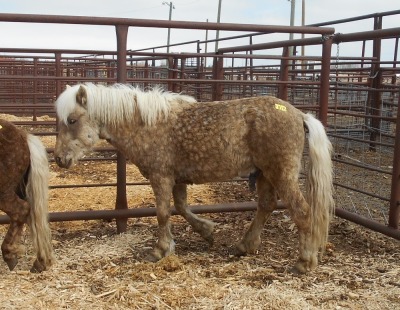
[(165, 246), (11, 247), (267, 202), (18, 210), (300, 212), (202, 226)]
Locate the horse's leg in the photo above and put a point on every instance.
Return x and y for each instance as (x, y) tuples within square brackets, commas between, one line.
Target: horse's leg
[(162, 188), (300, 212), (202, 226), (10, 247), (267, 202), (18, 210)]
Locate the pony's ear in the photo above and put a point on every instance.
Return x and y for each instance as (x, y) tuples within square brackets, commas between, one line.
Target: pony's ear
[(81, 96), (67, 86)]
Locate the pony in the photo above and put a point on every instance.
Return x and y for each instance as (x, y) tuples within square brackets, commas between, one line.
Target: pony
[(24, 174), (175, 140)]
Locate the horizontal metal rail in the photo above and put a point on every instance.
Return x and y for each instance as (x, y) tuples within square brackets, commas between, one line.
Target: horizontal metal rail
[(200, 209), (151, 23)]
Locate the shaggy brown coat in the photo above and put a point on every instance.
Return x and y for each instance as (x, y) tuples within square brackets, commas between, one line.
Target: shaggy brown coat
[(24, 194)]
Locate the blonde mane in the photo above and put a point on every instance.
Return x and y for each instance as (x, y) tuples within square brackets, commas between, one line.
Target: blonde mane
[(119, 102)]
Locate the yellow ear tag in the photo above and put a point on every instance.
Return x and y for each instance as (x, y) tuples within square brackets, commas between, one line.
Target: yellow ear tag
[(280, 107), (1, 126)]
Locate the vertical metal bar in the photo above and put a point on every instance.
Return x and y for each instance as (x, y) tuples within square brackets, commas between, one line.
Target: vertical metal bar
[(178, 86), (284, 75), (324, 87), (251, 68), (376, 76), (292, 16), (396, 49), (245, 76), (198, 69), (58, 81), (35, 90), (218, 21), (218, 74), (121, 200), (175, 66), (362, 58), (146, 73), (170, 64), (394, 211)]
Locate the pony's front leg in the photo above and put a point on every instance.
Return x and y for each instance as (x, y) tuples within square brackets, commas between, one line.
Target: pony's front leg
[(267, 202), (202, 226), (162, 188)]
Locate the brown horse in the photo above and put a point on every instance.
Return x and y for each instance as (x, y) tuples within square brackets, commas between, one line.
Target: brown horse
[(24, 174), (175, 141)]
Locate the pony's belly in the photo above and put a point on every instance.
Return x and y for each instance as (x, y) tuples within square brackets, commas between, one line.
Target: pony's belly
[(212, 173)]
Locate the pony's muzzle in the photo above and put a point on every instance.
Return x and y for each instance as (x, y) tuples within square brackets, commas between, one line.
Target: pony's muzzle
[(63, 164)]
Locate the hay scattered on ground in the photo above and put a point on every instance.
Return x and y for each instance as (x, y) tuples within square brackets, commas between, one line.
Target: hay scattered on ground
[(97, 269)]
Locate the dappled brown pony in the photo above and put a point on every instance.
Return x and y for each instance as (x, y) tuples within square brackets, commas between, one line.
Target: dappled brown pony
[(175, 141), (24, 174)]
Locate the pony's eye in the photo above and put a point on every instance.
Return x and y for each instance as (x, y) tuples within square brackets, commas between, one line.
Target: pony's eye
[(71, 121)]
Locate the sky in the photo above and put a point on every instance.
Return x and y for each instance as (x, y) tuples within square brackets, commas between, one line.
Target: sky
[(266, 12)]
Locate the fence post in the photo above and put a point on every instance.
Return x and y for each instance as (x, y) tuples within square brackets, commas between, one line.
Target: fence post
[(218, 75), (374, 98), (394, 211), (121, 201), (58, 72), (324, 87), (284, 75), (170, 68)]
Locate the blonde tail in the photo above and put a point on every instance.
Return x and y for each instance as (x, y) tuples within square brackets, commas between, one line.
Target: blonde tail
[(37, 197), (319, 187)]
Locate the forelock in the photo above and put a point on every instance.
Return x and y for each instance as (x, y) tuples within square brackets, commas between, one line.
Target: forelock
[(66, 103)]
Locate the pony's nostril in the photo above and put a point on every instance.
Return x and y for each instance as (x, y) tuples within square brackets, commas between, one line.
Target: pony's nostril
[(58, 160)]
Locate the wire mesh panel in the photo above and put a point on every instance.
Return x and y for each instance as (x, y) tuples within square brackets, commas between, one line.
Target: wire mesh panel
[(363, 153)]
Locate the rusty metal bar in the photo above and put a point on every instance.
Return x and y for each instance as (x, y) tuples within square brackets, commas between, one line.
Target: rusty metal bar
[(324, 88), (143, 212), (284, 75), (121, 200), (394, 211), (374, 98), (357, 139), (200, 209), (367, 35), (270, 45), (218, 75), (151, 23), (386, 230), (158, 80)]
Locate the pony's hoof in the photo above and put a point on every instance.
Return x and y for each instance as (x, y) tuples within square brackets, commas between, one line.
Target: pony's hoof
[(239, 251), (153, 256), (301, 267), (37, 267), (11, 263), (150, 258), (296, 271), (209, 239)]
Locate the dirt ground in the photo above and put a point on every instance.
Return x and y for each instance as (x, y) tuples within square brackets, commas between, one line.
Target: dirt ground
[(99, 269)]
